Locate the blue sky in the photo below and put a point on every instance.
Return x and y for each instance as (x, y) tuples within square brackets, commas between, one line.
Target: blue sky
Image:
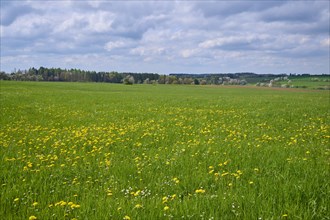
[(167, 36)]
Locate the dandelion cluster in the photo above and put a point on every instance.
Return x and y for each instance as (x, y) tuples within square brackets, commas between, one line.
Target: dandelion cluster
[(154, 152)]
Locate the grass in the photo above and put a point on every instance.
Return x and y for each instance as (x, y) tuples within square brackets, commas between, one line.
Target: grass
[(107, 151), (310, 82), (313, 82)]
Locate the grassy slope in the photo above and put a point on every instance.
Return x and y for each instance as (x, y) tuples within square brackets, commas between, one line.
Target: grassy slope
[(310, 82), (257, 153)]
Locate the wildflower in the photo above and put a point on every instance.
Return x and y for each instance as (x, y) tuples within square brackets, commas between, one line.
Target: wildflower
[(16, 200), (250, 182), (107, 162), (200, 191), (109, 192), (138, 206), (284, 215), (166, 208), (176, 180), (75, 206), (126, 217), (137, 193), (61, 203), (32, 217), (34, 204), (165, 199)]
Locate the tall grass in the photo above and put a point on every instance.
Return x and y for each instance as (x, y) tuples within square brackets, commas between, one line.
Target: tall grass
[(105, 151)]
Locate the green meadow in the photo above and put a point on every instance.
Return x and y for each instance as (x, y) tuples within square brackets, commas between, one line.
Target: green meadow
[(113, 151)]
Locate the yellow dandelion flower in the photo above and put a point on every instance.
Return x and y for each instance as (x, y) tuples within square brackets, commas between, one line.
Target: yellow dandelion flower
[(34, 204), (165, 199), (200, 191), (284, 215), (16, 200), (109, 192), (176, 180), (73, 206), (126, 217), (166, 208), (32, 217), (137, 193), (138, 206), (250, 182)]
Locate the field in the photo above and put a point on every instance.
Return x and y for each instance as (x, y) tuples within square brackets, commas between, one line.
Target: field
[(309, 82), (110, 151)]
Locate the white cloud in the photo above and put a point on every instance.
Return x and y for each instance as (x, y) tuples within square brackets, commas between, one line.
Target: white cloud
[(162, 36), (111, 45), (326, 42), (148, 51), (100, 21), (71, 22), (186, 53)]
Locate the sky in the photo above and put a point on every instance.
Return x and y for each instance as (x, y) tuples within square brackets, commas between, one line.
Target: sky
[(172, 36)]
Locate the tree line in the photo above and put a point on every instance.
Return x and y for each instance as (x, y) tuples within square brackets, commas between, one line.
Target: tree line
[(73, 75), (78, 75)]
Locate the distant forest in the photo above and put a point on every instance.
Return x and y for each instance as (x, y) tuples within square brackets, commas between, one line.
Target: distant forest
[(77, 75)]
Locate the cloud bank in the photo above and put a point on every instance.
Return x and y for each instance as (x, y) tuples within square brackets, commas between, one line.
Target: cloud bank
[(167, 36)]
